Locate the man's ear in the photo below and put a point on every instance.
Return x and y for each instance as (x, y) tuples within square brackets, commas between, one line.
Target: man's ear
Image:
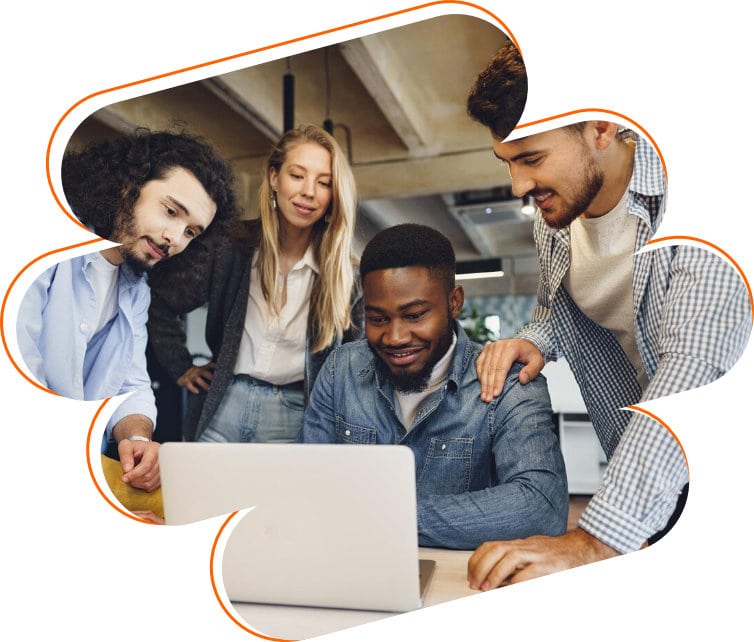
[(603, 133), (455, 300)]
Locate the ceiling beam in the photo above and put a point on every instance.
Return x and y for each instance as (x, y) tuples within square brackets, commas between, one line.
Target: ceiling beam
[(384, 76), (223, 91)]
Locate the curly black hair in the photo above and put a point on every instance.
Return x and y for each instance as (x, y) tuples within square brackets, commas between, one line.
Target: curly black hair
[(104, 180), (498, 96), (410, 245)]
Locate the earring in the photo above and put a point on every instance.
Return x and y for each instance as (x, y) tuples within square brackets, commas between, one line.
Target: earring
[(274, 200)]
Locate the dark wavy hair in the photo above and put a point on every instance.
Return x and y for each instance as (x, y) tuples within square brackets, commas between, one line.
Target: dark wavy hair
[(498, 96), (410, 245), (103, 181)]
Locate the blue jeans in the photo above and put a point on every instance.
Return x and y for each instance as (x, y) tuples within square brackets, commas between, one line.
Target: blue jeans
[(254, 410)]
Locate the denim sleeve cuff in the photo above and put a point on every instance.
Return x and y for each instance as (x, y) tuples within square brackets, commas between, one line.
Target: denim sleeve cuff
[(613, 527)]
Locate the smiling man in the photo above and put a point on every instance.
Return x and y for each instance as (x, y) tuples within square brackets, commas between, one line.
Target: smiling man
[(82, 324), (633, 325), (483, 470)]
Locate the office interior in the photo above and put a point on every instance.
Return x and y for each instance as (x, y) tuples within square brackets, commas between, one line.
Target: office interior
[(395, 101)]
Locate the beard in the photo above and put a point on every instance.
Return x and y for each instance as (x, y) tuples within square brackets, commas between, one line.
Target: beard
[(124, 232), (586, 193), (412, 382)]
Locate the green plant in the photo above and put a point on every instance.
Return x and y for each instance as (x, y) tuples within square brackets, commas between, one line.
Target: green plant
[(473, 323)]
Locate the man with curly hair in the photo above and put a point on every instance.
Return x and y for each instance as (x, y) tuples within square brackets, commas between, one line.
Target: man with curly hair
[(82, 324)]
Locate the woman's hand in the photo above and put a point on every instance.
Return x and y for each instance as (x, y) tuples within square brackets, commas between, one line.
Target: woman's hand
[(198, 378)]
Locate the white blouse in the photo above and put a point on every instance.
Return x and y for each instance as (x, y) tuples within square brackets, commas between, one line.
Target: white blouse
[(273, 348)]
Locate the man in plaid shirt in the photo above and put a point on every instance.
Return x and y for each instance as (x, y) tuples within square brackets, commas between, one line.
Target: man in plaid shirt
[(632, 325)]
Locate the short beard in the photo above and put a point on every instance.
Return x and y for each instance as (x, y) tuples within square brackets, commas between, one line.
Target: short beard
[(416, 382), (406, 383), (589, 190), (138, 265), (124, 232)]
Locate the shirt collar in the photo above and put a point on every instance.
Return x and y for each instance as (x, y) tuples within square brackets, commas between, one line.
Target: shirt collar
[(648, 176), (308, 260), (125, 271)]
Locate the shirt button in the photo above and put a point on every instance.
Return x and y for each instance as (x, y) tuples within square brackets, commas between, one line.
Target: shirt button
[(348, 433), (84, 327)]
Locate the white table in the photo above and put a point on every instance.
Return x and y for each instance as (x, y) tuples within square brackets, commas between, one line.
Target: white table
[(296, 623)]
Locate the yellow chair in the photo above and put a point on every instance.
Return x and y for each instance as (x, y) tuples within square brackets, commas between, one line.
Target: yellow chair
[(132, 499)]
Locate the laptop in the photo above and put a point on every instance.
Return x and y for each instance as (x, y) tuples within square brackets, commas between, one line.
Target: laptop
[(332, 525)]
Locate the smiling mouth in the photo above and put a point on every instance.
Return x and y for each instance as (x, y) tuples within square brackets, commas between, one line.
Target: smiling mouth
[(157, 251), (401, 357), (306, 210), (543, 199)]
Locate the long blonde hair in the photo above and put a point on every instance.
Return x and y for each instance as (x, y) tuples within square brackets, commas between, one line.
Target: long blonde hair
[(332, 238)]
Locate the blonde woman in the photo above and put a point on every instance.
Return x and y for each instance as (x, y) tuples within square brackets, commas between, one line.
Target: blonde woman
[(281, 293)]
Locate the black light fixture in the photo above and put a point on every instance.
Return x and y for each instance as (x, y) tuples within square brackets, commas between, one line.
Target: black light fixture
[(328, 125), (288, 98), (479, 269)]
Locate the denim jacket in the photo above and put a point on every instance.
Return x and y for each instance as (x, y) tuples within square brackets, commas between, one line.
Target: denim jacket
[(483, 471)]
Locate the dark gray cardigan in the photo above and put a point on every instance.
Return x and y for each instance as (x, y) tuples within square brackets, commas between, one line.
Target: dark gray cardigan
[(218, 275)]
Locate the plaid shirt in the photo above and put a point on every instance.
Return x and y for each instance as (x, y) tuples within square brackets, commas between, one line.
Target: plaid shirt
[(692, 320)]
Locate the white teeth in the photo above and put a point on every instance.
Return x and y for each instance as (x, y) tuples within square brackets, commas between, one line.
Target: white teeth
[(542, 197)]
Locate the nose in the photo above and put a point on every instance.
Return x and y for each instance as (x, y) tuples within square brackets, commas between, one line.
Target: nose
[(173, 236), (397, 334), (521, 181), (307, 187)]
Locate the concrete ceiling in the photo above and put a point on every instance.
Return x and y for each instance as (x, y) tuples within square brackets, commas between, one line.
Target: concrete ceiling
[(397, 102)]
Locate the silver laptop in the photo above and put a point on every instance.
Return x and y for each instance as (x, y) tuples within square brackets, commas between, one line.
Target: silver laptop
[(332, 525)]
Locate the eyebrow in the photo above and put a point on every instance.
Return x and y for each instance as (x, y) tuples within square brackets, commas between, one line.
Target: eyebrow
[(185, 211), (401, 308), (518, 157)]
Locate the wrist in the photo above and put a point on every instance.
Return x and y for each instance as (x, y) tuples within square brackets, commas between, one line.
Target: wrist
[(593, 549)]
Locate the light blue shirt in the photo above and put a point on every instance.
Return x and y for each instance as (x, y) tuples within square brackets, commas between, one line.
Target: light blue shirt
[(483, 471), (54, 329)]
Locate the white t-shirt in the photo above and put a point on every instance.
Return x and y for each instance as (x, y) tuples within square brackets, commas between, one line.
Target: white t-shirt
[(104, 280), (600, 278)]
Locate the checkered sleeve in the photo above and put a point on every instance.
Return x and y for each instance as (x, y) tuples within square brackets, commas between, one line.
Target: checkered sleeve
[(640, 488), (698, 329)]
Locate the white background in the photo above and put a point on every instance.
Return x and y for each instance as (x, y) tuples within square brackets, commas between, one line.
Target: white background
[(73, 566)]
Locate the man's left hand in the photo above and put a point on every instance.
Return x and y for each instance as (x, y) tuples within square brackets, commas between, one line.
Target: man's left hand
[(139, 462)]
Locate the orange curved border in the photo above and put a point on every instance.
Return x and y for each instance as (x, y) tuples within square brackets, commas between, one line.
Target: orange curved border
[(602, 111), (91, 470), (5, 300), (217, 593), (664, 425), (718, 249), (241, 55)]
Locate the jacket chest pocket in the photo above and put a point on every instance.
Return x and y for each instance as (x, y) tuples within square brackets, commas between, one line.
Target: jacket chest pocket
[(447, 466), (346, 433)]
